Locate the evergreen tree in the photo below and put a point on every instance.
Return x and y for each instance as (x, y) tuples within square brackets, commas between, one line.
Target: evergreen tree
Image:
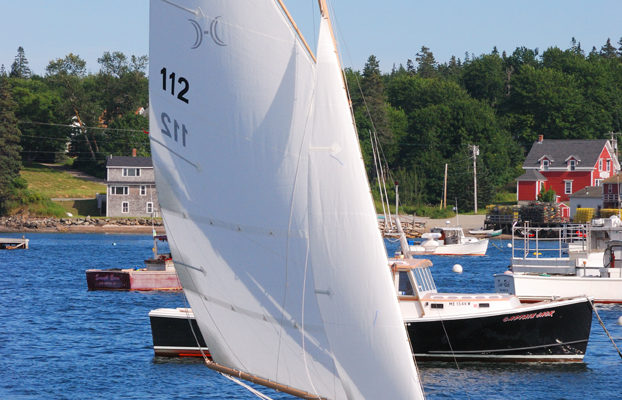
[(19, 68), (10, 163), (373, 90), (2, 71), (608, 51), (426, 63)]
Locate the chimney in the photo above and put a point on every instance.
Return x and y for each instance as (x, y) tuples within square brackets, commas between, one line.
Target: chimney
[(133, 152), (540, 138)]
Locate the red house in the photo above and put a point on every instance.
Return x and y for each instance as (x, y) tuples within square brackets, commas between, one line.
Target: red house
[(566, 166)]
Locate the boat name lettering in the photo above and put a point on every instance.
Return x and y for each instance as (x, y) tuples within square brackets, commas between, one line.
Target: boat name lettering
[(523, 317), (181, 95), (166, 120), (99, 277)]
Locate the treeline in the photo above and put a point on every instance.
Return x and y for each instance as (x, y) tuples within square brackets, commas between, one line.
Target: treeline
[(428, 114), (424, 114), (68, 112)]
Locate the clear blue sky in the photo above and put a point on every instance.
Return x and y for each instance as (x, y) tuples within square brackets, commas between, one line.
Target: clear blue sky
[(392, 30)]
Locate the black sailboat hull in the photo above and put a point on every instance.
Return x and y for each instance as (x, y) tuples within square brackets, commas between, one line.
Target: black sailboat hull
[(553, 332)]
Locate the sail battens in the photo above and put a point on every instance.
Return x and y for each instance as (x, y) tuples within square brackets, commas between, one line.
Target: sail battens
[(181, 264), (176, 154), (238, 227)]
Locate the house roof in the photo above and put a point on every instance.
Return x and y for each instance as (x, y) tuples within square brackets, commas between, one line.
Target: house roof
[(558, 151), (614, 179), (531, 175), (126, 161), (592, 192)]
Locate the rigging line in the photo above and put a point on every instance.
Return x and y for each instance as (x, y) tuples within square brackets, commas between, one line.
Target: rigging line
[(384, 211), (289, 227), (247, 387), (451, 348), (79, 126)]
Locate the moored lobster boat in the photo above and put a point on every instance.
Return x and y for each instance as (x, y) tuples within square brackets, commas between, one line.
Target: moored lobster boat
[(449, 241), (443, 326), (487, 326), (175, 333), (575, 261)]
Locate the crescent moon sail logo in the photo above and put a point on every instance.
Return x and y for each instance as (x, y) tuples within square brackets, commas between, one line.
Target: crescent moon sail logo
[(214, 31)]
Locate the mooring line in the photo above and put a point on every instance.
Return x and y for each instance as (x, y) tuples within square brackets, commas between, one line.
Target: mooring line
[(604, 328)]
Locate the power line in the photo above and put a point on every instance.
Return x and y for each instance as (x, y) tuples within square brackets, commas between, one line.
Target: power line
[(80, 126)]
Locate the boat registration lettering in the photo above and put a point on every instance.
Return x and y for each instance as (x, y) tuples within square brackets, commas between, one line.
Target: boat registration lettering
[(522, 317), (179, 129), (459, 303)]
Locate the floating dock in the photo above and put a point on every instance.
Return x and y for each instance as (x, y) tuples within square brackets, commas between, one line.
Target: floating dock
[(13, 243)]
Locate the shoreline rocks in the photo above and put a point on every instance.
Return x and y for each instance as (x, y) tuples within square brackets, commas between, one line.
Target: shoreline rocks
[(77, 224)]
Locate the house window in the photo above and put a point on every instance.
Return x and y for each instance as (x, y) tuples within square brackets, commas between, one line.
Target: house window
[(609, 188), (597, 182), (568, 187), (149, 207), (119, 190), (608, 165), (545, 164), (131, 171), (125, 207), (143, 190), (572, 164), (600, 164)]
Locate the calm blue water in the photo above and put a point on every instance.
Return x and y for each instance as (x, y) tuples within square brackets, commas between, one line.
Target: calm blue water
[(59, 341)]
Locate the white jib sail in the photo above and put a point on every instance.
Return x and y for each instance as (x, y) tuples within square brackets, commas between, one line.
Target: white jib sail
[(244, 183)]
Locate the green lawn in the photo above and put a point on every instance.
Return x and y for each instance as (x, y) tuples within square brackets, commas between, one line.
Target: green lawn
[(57, 183), (80, 208)]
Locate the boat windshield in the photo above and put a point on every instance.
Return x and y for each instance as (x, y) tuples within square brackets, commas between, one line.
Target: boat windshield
[(452, 236), (405, 288), (421, 277)]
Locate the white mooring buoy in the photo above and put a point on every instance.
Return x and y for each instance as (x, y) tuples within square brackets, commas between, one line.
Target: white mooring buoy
[(620, 321), (509, 245), (457, 268)]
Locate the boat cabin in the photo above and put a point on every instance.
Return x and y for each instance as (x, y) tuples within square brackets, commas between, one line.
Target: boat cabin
[(418, 297)]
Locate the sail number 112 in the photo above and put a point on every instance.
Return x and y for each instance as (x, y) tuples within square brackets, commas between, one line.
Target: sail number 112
[(183, 82)]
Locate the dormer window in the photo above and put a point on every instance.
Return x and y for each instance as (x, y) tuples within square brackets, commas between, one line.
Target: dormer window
[(545, 164), (572, 164)]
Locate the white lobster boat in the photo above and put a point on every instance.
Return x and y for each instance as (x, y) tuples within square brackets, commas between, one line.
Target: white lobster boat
[(577, 260), (449, 241)]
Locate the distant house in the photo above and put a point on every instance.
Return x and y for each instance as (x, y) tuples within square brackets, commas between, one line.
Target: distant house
[(588, 197), (566, 166), (611, 192), (131, 187)]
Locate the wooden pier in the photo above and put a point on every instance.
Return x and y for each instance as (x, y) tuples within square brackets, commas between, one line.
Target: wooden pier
[(13, 243)]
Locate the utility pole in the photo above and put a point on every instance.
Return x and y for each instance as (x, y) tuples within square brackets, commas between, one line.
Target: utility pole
[(614, 143), (444, 202), (475, 150)]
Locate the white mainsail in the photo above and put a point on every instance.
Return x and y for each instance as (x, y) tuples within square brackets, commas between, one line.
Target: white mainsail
[(266, 203)]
